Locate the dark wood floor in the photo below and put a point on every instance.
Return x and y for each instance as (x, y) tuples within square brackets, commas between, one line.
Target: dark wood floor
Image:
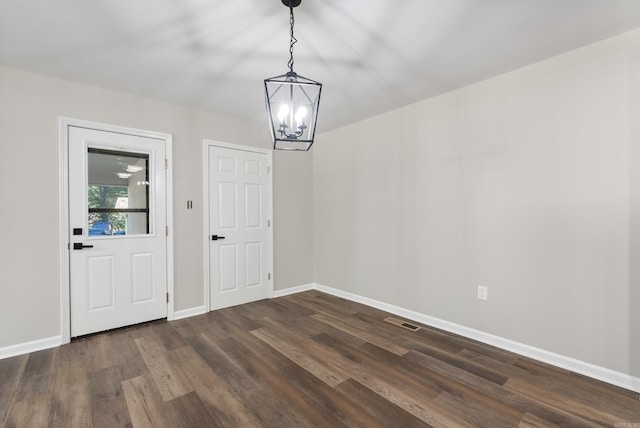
[(308, 359)]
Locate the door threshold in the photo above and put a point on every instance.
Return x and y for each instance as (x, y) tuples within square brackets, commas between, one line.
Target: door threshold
[(117, 329)]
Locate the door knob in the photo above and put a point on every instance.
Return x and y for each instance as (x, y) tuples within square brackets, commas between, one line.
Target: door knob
[(80, 246), (216, 237)]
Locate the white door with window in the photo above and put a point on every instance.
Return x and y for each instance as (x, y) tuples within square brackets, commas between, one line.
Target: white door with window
[(117, 223), (239, 238)]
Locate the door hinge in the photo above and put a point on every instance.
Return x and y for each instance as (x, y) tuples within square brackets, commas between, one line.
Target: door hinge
[(269, 276), (166, 231), (268, 223), (167, 297), (166, 164), (268, 170)]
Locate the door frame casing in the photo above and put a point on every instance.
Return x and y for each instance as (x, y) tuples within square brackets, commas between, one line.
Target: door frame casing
[(64, 123), (206, 144)]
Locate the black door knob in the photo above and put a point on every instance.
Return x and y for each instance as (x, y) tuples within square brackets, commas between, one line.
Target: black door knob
[(216, 237)]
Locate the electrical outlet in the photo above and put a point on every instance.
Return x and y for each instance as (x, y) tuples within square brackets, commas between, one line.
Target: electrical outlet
[(483, 292)]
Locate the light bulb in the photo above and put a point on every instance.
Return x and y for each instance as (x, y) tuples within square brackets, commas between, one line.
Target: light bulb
[(300, 115), (134, 168), (282, 114)]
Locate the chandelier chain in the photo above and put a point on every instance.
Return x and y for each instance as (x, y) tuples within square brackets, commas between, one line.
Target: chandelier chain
[(292, 40)]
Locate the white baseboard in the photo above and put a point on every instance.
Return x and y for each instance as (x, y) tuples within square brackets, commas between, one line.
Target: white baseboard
[(27, 347), (293, 290), (190, 312), (577, 366)]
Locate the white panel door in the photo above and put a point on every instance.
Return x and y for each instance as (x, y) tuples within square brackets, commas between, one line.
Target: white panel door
[(238, 227), (117, 221)]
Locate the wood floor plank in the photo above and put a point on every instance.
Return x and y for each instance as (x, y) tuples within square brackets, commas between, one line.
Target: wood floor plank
[(260, 309), (139, 331), (502, 366), (312, 327), (185, 328), (169, 379), (169, 337), (552, 416), (32, 411), (431, 335), (562, 402), (388, 413), (532, 421), (108, 405), (267, 406), (578, 388), (97, 350), (303, 351), (467, 365), (145, 404), (366, 334), (343, 305), (126, 358), (230, 371), (224, 406), (408, 393), (70, 404), (37, 375), (238, 315), (236, 325), (278, 388), (467, 403), (407, 338), (268, 354), (310, 300), (477, 412), (218, 326), (199, 324), (348, 411), (11, 370), (188, 411), (294, 310)]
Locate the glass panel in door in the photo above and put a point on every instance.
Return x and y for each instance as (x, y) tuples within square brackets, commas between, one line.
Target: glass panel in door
[(118, 193)]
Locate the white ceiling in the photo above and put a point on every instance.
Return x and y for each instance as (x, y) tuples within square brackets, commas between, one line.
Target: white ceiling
[(371, 55)]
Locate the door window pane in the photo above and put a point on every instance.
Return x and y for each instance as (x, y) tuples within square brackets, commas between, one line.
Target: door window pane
[(118, 193)]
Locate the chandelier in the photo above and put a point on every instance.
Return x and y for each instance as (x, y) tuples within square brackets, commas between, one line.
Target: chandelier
[(292, 102)]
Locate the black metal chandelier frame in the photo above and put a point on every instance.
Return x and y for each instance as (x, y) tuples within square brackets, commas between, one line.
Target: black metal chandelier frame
[(292, 101)]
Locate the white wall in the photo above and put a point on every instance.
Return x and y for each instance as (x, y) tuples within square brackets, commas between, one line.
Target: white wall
[(29, 244), (523, 183), (293, 213)]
